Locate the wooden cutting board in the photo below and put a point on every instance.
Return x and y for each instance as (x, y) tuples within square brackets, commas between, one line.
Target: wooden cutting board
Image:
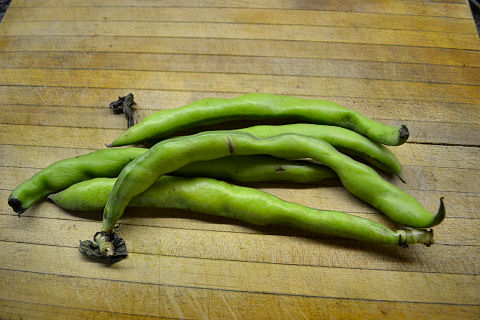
[(399, 62)]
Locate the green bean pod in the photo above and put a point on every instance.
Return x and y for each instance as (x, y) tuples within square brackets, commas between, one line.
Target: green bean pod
[(259, 106), (342, 139), (109, 163), (62, 174), (210, 196), (169, 155), (257, 168), (66, 172)]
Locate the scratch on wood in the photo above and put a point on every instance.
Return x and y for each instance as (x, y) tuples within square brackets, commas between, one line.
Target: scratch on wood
[(199, 307), (228, 307), (174, 303)]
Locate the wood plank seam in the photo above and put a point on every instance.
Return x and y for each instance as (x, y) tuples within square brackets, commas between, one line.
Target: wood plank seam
[(243, 23), (247, 39), (243, 73), (330, 97), (451, 92), (253, 261), (232, 55), (205, 43), (90, 309), (232, 7), (235, 290), (218, 91), (244, 38), (259, 23), (251, 32)]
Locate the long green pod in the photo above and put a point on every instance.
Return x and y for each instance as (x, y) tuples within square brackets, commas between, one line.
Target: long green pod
[(109, 163), (342, 139), (257, 168), (64, 173), (219, 198), (259, 106), (169, 155)]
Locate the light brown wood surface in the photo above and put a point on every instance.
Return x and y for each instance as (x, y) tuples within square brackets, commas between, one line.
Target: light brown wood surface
[(398, 62)]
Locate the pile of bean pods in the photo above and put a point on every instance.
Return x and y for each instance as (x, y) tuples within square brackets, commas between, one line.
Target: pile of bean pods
[(187, 171)]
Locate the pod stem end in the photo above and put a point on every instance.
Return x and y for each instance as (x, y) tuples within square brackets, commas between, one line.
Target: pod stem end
[(16, 205), (124, 105), (410, 236), (403, 133), (109, 248)]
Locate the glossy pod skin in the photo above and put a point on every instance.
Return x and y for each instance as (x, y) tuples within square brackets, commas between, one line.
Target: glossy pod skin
[(109, 162), (344, 140), (64, 173), (257, 168), (257, 106), (219, 198), (169, 155)]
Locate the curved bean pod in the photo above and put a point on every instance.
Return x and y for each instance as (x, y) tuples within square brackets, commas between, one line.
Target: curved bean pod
[(257, 168), (64, 173), (169, 155), (219, 198), (259, 106), (342, 139), (109, 163)]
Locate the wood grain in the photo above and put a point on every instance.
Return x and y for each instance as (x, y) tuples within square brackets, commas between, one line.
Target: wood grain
[(428, 8), (243, 65), (240, 15), (184, 302), (244, 47), (151, 80), (409, 62), (404, 108), (27, 310), (252, 277), (243, 31), (169, 233)]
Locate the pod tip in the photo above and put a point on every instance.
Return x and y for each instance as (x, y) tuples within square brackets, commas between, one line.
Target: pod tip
[(401, 178), (403, 133), (51, 197), (440, 216), (16, 205)]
